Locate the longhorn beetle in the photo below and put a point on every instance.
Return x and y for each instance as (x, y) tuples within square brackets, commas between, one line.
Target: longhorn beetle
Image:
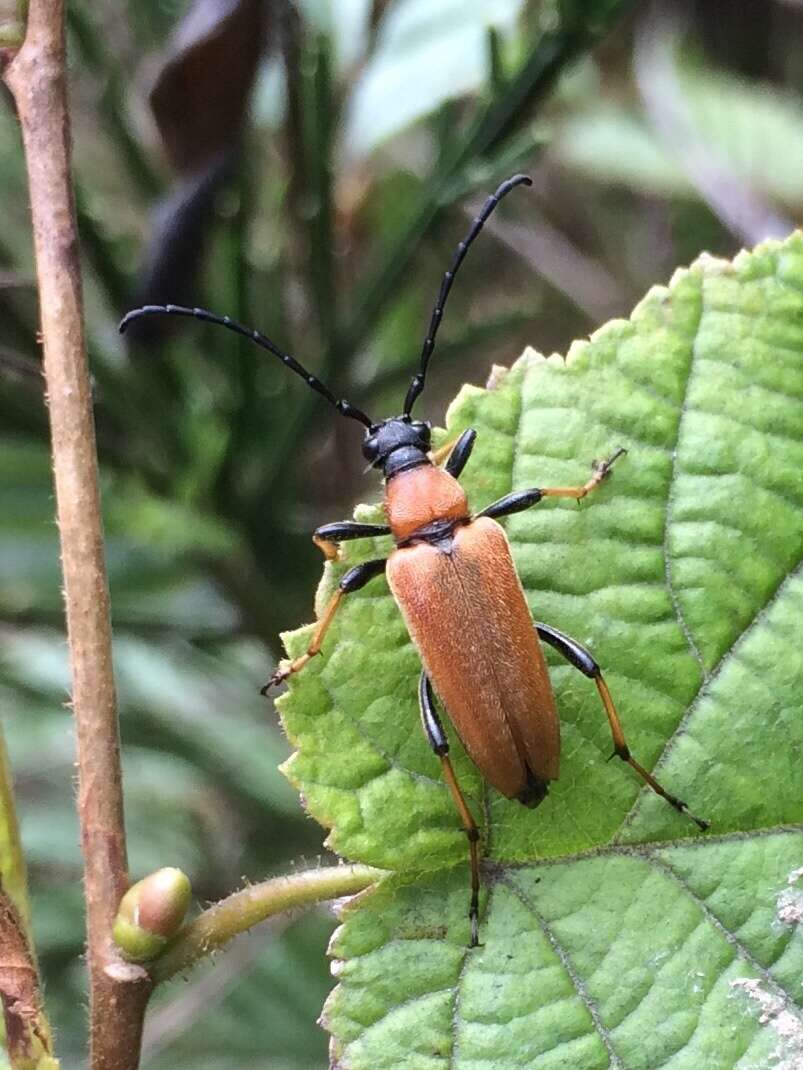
[(453, 578)]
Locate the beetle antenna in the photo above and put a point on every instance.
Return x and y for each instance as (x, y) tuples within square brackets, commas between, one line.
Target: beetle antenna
[(345, 408), (417, 385)]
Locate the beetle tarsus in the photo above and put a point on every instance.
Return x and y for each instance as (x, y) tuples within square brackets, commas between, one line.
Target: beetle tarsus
[(603, 468), (700, 822), (475, 931), (274, 680)]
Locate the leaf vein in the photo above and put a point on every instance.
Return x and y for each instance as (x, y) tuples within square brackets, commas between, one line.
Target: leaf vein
[(565, 959), (682, 623), (738, 947), (641, 850)]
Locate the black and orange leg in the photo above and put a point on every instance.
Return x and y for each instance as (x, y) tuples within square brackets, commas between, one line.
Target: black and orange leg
[(457, 452), (436, 736), (329, 536), (353, 580), (582, 659), (519, 500)]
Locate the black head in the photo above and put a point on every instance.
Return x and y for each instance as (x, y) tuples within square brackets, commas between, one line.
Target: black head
[(396, 444)]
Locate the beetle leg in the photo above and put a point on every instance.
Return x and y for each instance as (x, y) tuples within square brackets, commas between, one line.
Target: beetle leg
[(458, 452), (433, 728), (327, 537), (513, 503), (353, 580), (523, 499), (582, 659)]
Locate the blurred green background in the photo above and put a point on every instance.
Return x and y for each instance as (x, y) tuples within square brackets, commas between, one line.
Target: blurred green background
[(308, 168)]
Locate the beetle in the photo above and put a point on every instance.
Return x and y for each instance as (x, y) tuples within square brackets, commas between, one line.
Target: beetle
[(452, 575)]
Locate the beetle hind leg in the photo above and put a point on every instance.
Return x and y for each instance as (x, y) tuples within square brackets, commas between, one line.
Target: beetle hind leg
[(436, 736), (582, 659)]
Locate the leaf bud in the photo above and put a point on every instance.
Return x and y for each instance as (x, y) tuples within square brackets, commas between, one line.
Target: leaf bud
[(150, 913)]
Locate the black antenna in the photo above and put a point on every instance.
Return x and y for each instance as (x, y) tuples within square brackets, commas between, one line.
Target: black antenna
[(417, 385), (345, 408)]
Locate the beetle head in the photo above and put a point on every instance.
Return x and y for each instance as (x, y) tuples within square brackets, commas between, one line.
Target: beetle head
[(396, 444)]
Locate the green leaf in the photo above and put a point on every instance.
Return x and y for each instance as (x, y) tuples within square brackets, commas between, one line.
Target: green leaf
[(613, 932)]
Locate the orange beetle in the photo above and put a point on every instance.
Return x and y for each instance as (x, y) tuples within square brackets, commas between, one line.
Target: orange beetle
[(453, 577)]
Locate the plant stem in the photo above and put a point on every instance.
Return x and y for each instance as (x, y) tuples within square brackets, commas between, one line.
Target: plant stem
[(37, 79), (244, 909)]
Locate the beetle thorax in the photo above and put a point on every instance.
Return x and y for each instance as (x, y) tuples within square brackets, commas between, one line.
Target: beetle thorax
[(421, 496)]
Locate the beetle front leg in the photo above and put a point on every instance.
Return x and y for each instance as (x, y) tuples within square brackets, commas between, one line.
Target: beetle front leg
[(523, 499), (457, 452), (434, 731), (328, 536), (582, 659), (353, 580)]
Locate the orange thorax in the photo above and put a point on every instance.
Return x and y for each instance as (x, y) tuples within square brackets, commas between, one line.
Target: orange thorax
[(421, 495)]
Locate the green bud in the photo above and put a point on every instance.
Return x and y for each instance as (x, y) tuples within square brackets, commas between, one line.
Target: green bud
[(150, 913)]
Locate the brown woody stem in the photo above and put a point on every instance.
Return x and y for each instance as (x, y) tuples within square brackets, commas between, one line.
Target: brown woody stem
[(36, 78), (244, 909)]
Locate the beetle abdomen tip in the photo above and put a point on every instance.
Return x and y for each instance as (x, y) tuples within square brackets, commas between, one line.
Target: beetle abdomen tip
[(535, 791)]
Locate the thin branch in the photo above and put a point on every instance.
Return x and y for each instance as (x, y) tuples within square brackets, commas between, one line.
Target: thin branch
[(244, 909), (37, 79)]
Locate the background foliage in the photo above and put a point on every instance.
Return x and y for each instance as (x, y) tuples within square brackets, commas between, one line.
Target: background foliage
[(326, 219)]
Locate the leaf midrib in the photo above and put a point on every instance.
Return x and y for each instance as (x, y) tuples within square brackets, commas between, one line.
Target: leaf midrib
[(683, 625)]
